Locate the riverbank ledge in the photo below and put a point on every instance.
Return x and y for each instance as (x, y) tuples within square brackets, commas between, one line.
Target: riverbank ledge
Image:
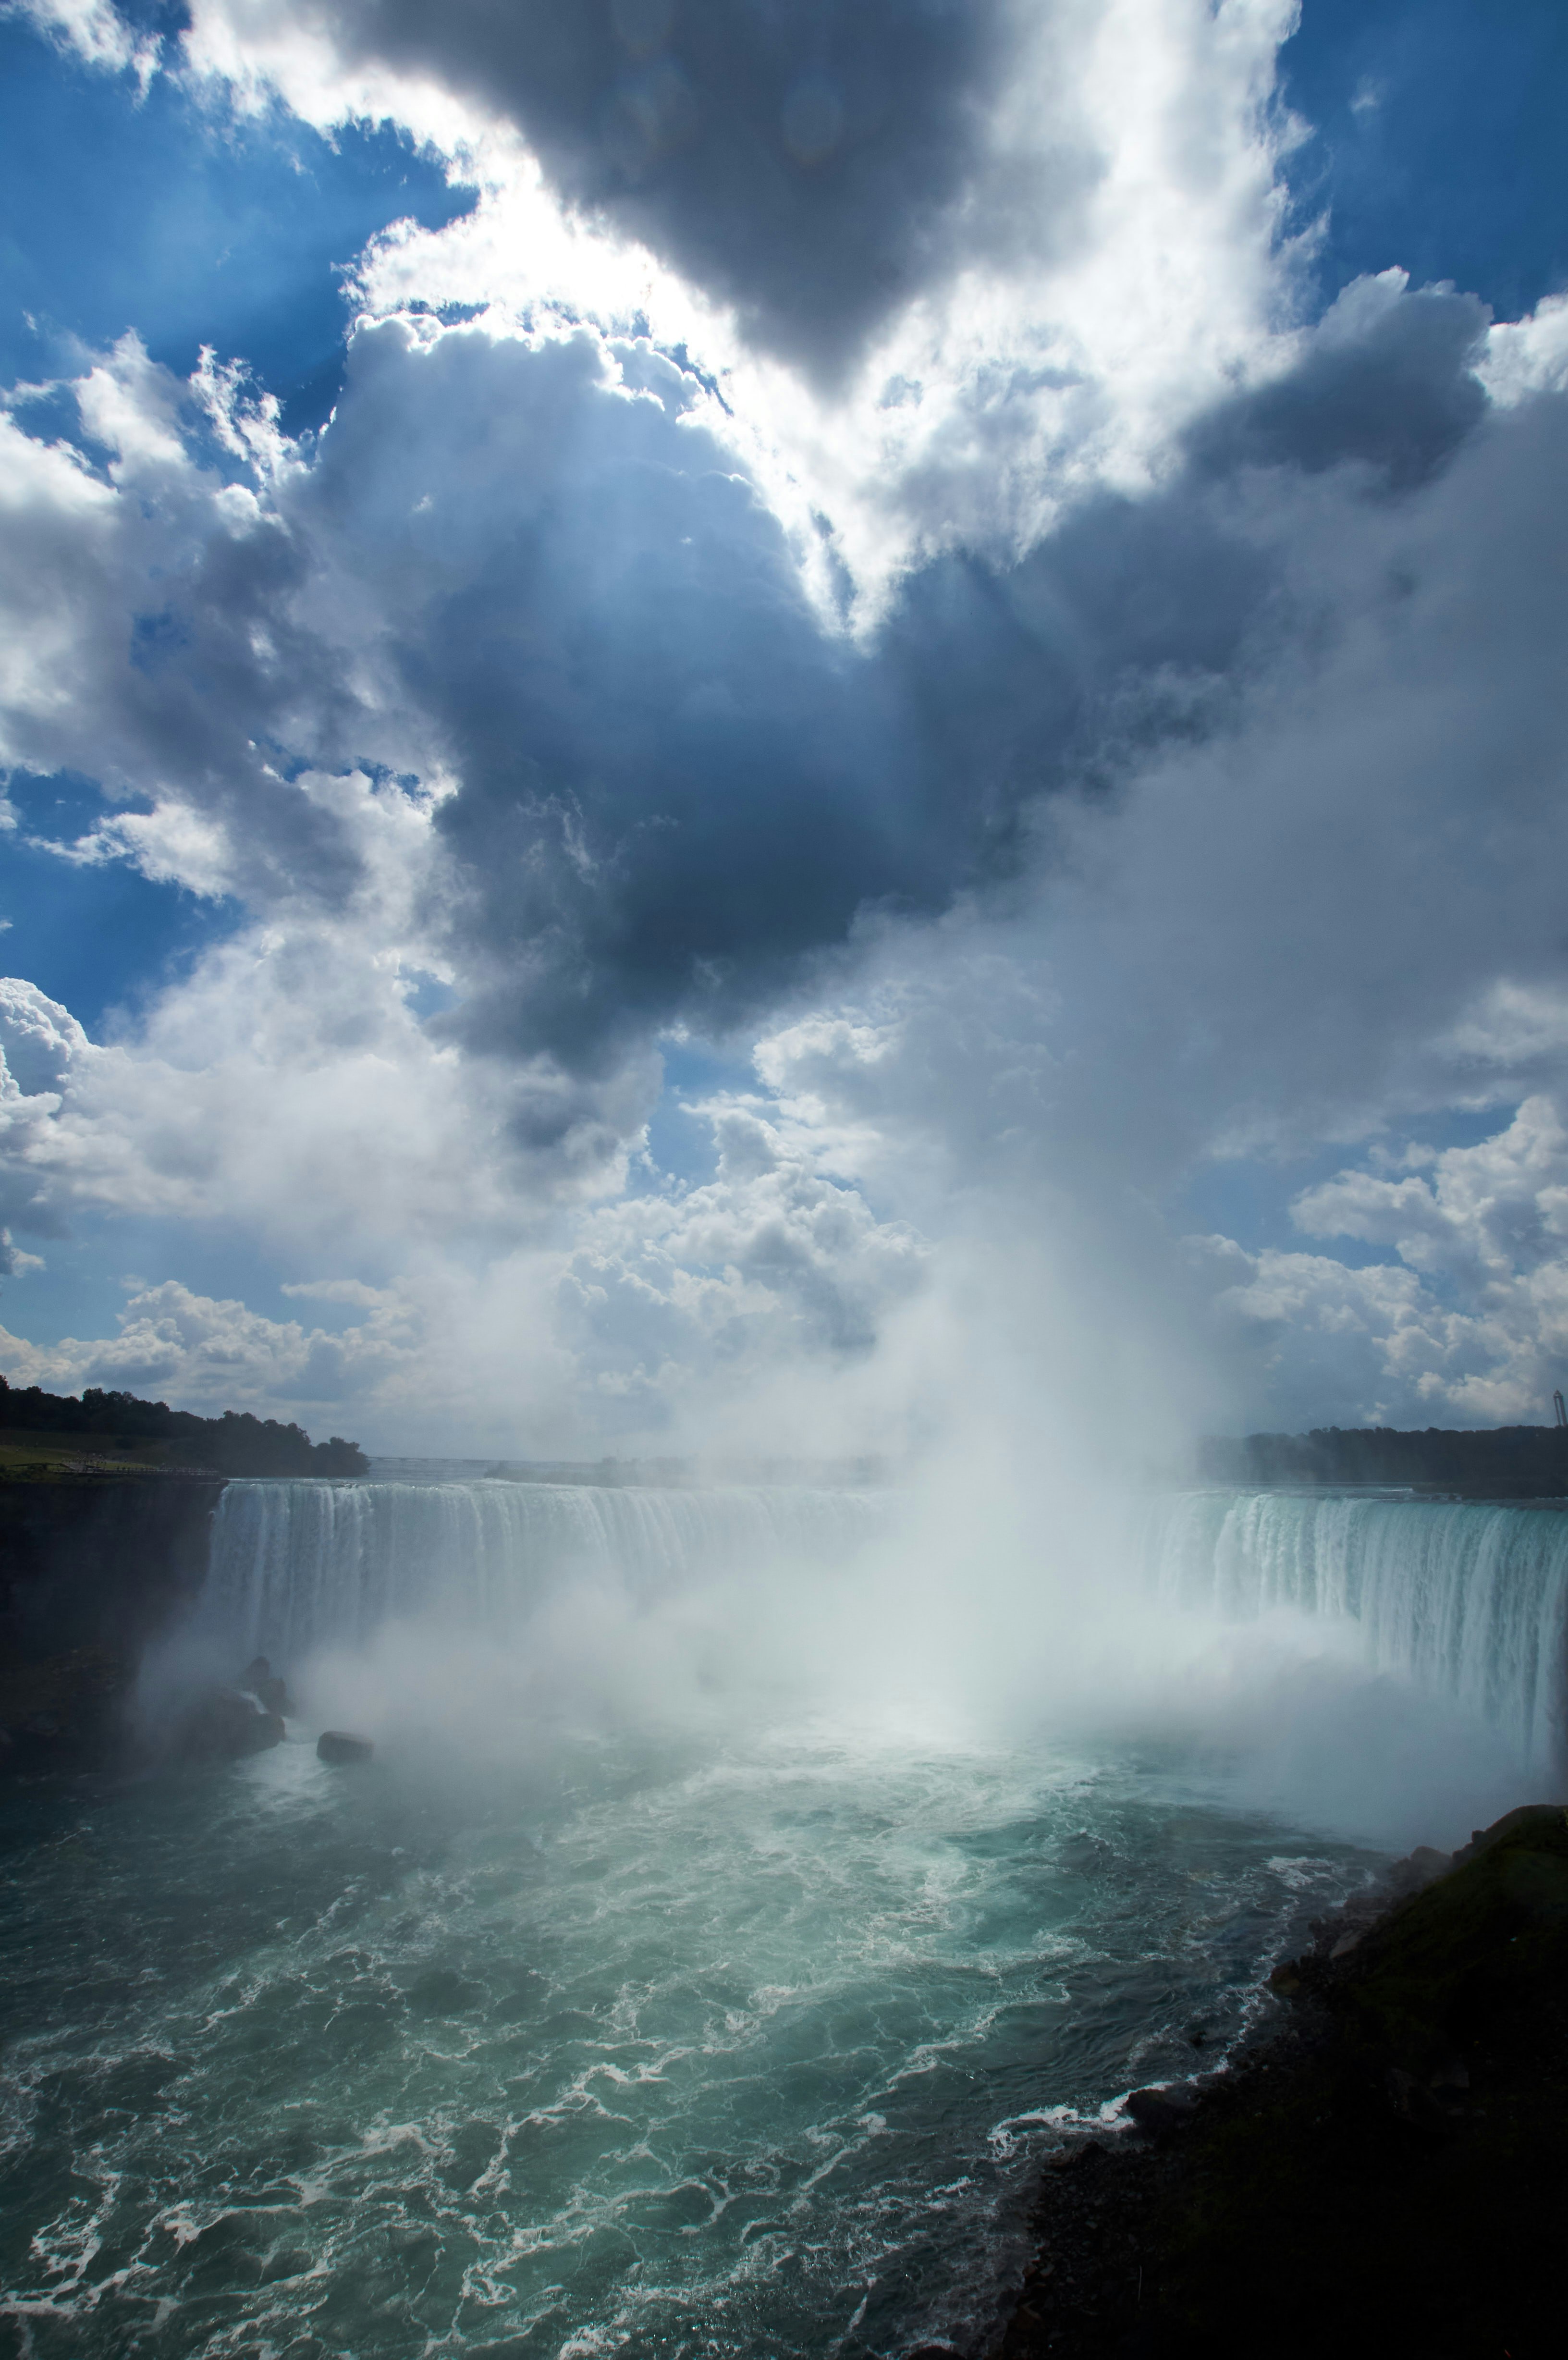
[(1383, 2172)]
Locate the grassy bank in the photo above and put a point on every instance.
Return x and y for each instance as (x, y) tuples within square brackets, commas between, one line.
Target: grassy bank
[(47, 1458)]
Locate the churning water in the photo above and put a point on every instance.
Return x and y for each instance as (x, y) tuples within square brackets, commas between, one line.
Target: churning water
[(740, 2037)]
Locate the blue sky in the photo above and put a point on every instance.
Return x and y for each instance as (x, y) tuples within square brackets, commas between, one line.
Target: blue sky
[(503, 750), (1436, 141), (172, 217)]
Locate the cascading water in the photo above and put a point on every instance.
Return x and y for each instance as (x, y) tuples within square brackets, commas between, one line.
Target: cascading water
[(299, 1564), (1467, 1598)]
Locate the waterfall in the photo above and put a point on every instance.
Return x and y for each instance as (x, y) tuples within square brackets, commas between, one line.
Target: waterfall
[(297, 1565), (1467, 1598)]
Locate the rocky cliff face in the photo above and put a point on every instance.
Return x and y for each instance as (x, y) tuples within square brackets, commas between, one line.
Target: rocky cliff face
[(91, 1569), (1382, 2175)]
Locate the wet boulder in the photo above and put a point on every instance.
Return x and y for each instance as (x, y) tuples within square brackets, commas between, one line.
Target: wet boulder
[(227, 1725), (343, 1745), (1157, 2111), (268, 1687)]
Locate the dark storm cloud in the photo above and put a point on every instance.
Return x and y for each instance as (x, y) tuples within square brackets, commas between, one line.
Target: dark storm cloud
[(215, 685), (675, 788), (1137, 621), (1387, 381), (1018, 682), (804, 160)]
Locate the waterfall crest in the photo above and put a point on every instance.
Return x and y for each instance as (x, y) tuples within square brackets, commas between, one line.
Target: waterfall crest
[(1468, 1600), (299, 1564)]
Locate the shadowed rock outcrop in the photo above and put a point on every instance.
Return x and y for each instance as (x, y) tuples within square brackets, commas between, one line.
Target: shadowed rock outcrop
[(1384, 2174), (340, 1745), (90, 1571)]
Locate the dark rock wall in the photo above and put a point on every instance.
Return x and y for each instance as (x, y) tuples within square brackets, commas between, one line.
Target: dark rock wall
[(1382, 2175), (90, 1571)]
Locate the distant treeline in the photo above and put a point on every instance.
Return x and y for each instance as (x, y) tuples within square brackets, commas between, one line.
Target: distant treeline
[(235, 1444), (1517, 1461)]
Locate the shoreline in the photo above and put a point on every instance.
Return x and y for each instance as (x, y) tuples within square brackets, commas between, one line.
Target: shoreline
[(1382, 2171)]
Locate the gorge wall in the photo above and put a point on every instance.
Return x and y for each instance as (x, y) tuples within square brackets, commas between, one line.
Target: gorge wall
[(91, 1569)]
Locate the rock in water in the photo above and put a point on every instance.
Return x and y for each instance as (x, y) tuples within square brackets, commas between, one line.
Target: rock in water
[(341, 1745), (268, 1687), (226, 1726), (1157, 2111)]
